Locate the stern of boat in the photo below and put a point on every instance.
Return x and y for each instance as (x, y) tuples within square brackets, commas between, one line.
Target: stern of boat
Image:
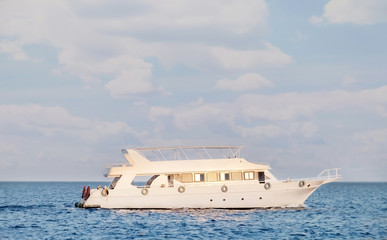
[(86, 201)]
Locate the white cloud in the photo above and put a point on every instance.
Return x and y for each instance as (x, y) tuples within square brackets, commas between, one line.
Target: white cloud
[(6, 147), (353, 11), (309, 129), (373, 136), (45, 143), (130, 82), (102, 40), (289, 106), (285, 109), (304, 129), (202, 115), (348, 81), (156, 112), (316, 20), (14, 49), (51, 121), (259, 131), (235, 17), (244, 82), (372, 143), (203, 56), (240, 60)]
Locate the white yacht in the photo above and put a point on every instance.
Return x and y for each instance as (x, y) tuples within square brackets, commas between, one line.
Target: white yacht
[(203, 181)]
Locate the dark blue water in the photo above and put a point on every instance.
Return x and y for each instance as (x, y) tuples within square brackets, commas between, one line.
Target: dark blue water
[(334, 211)]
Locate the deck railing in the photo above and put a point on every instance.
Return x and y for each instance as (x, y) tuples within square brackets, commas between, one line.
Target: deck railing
[(190, 153), (329, 173)]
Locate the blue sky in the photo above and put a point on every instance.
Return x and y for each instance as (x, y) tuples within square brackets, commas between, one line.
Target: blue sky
[(302, 84)]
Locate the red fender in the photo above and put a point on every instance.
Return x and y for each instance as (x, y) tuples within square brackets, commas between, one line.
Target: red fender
[(87, 193), (84, 192)]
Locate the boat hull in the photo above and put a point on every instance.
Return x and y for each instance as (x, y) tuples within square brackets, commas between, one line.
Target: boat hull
[(242, 195)]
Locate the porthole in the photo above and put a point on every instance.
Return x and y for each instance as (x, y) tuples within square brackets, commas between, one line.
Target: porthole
[(104, 192), (181, 189), (144, 191), (301, 183)]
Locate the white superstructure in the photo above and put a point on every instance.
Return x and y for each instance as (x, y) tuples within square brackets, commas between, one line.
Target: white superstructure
[(177, 181)]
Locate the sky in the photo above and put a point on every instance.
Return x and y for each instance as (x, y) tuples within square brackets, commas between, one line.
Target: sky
[(301, 84)]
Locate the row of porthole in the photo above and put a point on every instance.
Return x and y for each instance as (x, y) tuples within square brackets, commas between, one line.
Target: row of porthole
[(242, 199), (181, 189), (267, 185)]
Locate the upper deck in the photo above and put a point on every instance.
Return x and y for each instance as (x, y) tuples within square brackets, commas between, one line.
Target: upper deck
[(182, 159)]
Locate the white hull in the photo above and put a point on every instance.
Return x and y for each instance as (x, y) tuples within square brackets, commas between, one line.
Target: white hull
[(238, 196)]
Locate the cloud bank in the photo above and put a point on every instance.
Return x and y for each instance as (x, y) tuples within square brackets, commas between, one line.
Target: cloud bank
[(353, 11)]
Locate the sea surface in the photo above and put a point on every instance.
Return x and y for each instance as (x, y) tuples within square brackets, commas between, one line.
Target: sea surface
[(45, 210)]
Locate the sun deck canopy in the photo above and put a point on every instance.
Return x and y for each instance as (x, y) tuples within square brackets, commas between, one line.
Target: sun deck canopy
[(180, 161)]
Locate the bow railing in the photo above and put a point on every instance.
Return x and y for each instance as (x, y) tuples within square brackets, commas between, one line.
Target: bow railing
[(329, 173)]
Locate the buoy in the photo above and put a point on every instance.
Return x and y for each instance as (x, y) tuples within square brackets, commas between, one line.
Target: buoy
[(224, 188), (267, 186)]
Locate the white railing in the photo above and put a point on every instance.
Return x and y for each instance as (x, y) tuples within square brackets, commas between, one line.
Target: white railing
[(326, 174), (190, 153), (329, 173)]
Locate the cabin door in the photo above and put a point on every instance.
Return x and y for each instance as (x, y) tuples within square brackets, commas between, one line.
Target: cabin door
[(261, 177), (170, 180)]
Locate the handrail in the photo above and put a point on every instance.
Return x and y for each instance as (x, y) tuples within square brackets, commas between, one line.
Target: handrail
[(188, 147), (189, 152), (329, 173)]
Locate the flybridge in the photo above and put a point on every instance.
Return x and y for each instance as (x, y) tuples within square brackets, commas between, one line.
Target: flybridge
[(189, 153)]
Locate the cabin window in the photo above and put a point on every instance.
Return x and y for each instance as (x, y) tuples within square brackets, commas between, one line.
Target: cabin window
[(249, 175), (224, 176), (236, 176), (261, 177), (186, 177), (149, 182), (114, 183), (177, 177), (199, 177), (212, 177)]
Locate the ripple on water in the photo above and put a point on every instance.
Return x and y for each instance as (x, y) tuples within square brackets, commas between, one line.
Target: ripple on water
[(334, 211)]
